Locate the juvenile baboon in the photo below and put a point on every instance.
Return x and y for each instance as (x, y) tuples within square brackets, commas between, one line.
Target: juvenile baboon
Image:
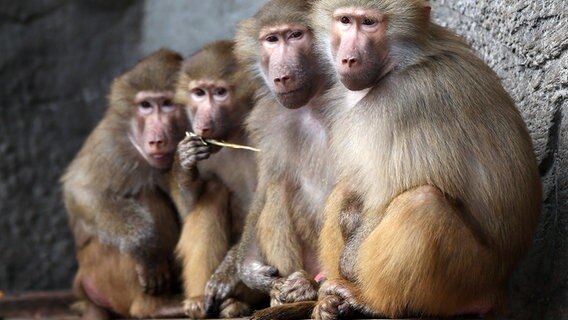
[(213, 187), (124, 223)]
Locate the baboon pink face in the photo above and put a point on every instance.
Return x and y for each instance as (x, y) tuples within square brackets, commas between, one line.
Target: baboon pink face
[(359, 46), (157, 127), (288, 63), (210, 104)]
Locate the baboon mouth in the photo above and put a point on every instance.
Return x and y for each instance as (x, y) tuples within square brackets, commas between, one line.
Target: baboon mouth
[(290, 92), (160, 160), (160, 155)]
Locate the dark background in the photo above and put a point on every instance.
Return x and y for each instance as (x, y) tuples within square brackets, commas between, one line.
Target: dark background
[(57, 58)]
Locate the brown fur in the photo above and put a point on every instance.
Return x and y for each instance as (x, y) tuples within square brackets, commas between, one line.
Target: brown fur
[(213, 195), (112, 273), (444, 168), (295, 175), (121, 218)]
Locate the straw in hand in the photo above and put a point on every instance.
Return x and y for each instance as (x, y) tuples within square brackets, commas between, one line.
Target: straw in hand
[(221, 143)]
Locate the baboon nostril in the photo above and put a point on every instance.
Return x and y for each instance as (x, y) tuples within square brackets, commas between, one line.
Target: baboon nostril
[(349, 61), (156, 142), (203, 131), (281, 80)]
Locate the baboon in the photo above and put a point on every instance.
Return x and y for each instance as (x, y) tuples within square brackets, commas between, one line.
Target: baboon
[(213, 187), (278, 251), (124, 223), (438, 191)]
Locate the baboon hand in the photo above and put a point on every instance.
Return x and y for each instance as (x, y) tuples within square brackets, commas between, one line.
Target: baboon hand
[(258, 276), (296, 287), (193, 308), (191, 150), (218, 289)]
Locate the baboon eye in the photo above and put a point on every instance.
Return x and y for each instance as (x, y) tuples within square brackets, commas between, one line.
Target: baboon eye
[(369, 22), (272, 38), (296, 34), (145, 105), (220, 92), (198, 92), (168, 105), (345, 20)]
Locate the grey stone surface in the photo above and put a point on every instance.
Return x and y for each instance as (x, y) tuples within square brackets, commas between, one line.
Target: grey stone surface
[(186, 25), (56, 62), (526, 43), (57, 58)]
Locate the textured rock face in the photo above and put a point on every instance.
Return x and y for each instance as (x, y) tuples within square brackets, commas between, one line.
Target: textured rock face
[(57, 59), (191, 24), (526, 43)]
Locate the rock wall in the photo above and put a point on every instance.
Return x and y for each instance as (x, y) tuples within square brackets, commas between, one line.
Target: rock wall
[(57, 59), (191, 24), (56, 62)]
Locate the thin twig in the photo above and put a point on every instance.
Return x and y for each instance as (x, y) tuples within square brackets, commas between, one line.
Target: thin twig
[(221, 143)]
